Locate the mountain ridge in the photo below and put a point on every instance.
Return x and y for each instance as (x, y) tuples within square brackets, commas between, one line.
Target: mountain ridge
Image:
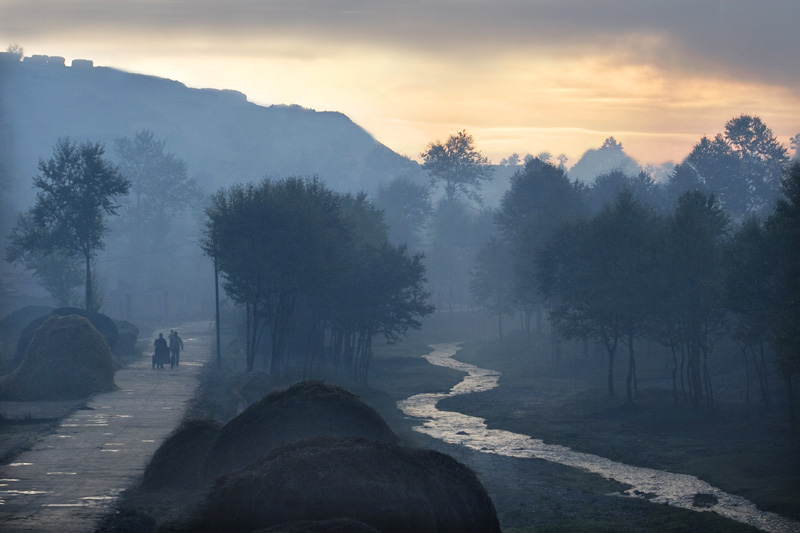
[(223, 137)]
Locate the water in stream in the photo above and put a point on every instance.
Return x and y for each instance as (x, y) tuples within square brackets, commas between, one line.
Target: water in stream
[(678, 490)]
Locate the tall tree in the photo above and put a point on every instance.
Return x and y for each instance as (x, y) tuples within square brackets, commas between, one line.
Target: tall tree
[(784, 225), (458, 166), (78, 191), (742, 167), (491, 280), (406, 206), (274, 242), (696, 233), (539, 199), (596, 276), (748, 291), (160, 184)]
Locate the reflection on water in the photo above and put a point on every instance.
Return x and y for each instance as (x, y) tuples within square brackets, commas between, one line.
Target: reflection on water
[(658, 486)]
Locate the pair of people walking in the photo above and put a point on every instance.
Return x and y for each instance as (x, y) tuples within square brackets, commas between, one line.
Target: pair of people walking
[(167, 353)]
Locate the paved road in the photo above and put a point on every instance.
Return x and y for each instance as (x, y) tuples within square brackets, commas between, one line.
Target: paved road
[(72, 477)]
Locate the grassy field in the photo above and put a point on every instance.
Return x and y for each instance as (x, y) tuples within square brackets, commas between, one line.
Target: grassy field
[(742, 448)]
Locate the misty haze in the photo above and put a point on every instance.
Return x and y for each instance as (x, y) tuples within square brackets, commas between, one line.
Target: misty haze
[(219, 315)]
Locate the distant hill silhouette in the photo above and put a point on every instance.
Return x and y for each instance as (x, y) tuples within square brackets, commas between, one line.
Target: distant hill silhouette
[(224, 138)]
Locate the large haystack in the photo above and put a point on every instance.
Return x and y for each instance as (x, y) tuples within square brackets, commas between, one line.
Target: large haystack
[(389, 487), (11, 327), (67, 358), (304, 410), (177, 462), (102, 323)]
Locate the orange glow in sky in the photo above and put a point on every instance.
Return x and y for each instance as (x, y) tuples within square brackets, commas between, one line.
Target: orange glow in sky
[(656, 86)]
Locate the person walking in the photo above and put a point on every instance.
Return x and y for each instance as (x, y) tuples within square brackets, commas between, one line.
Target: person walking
[(161, 351), (175, 347)]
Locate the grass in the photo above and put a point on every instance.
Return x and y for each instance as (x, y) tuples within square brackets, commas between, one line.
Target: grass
[(742, 448)]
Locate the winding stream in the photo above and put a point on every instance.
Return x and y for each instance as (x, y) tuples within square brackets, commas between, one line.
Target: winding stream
[(657, 486)]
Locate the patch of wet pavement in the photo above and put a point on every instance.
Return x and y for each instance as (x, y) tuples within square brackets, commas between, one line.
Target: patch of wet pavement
[(70, 479)]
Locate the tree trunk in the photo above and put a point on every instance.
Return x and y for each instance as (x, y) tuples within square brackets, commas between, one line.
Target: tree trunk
[(612, 348), (674, 373), (630, 381), (89, 302)]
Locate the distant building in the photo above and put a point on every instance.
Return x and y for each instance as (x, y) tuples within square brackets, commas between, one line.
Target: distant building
[(82, 63)]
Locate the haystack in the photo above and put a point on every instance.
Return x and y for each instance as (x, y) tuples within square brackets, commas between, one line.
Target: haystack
[(177, 462), (67, 358), (101, 323), (128, 334), (304, 410), (11, 327), (389, 487), (251, 387)]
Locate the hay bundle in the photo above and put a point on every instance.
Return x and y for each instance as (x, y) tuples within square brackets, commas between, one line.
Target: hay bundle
[(177, 462), (101, 323), (251, 387), (128, 334), (67, 358), (387, 486), (11, 327), (304, 410)]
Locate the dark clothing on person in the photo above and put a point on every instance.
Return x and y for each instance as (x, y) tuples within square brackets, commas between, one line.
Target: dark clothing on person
[(161, 355), (175, 347)]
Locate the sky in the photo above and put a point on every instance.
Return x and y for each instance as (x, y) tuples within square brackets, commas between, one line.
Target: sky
[(522, 76)]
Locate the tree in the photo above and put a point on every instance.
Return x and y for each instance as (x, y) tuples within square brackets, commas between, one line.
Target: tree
[(406, 207), (748, 291), (607, 186), (16, 50), (539, 199), (160, 185), (458, 166), (491, 280), (275, 242), (795, 145), (743, 167), (691, 264), (78, 190), (595, 274), (784, 226)]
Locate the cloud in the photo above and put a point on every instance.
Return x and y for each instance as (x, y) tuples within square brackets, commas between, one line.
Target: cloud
[(736, 39)]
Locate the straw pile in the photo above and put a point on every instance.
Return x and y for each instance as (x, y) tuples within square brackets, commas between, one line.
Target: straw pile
[(11, 327), (67, 358), (128, 334), (304, 410), (176, 464), (101, 323), (389, 487)]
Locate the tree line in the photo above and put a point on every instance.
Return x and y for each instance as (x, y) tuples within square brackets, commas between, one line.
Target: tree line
[(712, 253), (306, 263), (315, 270)]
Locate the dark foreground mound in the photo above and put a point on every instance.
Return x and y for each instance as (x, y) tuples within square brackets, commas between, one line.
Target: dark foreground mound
[(302, 411), (389, 487), (102, 323), (336, 525), (177, 462), (67, 358)]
